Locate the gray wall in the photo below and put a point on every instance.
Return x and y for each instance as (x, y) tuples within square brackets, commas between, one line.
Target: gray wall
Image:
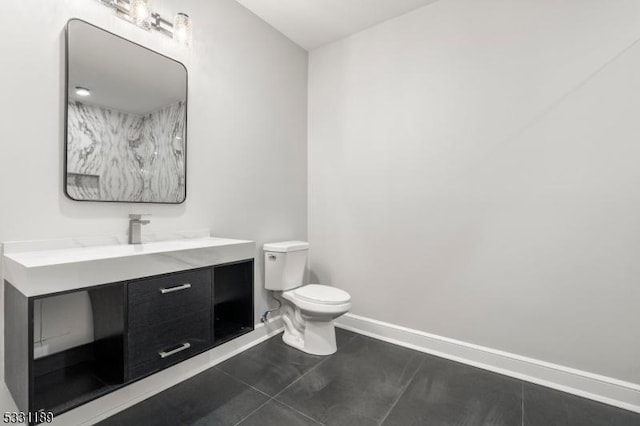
[(473, 173), (246, 173)]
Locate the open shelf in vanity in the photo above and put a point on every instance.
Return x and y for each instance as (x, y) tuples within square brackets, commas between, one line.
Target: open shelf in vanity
[(233, 301), (79, 374), (69, 382), (140, 326)]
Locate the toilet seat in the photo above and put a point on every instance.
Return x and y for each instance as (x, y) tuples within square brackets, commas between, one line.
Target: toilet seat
[(319, 299), (321, 294)]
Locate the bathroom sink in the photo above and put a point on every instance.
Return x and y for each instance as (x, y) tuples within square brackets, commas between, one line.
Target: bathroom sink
[(37, 272)]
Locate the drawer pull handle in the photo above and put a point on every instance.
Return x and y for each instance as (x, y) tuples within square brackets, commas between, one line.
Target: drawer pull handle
[(182, 347), (175, 288)]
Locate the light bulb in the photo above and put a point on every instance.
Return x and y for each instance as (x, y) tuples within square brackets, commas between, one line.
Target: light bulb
[(139, 13), (82, 91), (182, 31)]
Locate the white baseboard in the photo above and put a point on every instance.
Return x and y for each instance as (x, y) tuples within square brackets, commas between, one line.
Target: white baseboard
[(110, 404), (604, 389)]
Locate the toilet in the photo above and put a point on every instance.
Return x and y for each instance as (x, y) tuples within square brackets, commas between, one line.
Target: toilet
[(308, 310)]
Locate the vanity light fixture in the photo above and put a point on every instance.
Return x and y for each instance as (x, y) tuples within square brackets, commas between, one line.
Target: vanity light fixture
[(82, 91), (138, 13), (182, 29)]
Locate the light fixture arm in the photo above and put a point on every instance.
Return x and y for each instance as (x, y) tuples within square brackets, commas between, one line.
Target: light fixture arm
[(162, 25), (121, 7)]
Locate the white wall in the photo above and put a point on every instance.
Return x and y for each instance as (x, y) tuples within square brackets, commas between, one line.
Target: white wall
[(246, 148), (473, 173)]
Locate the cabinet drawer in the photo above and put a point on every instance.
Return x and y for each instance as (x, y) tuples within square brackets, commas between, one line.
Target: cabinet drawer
[(157, 300), (156, 347)]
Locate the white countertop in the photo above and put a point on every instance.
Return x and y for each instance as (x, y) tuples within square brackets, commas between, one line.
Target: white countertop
[(52, 270), (38, 258)]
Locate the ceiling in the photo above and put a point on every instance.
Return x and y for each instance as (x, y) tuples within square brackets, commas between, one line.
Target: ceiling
[(312, 23)]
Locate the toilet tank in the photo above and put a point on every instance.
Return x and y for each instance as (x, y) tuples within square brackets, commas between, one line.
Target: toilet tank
[(284, 264)]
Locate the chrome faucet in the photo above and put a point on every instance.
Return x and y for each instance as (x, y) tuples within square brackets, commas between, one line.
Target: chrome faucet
[(135, 227)]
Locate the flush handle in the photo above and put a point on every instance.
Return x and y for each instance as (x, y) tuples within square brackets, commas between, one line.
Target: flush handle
[(271, 256)]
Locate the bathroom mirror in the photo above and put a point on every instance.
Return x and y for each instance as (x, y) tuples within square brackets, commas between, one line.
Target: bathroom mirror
[(126, 115)]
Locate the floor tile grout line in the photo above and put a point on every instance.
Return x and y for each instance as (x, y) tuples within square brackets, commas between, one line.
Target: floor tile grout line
[(403, 390), (245, 383), (269, 397), (304, 374), (522, 404), (296, 380), (273, 398), (299, 412), (251, 413), (313, 368)]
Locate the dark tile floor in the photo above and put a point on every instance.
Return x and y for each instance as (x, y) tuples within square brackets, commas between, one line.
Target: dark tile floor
[(367, 382)]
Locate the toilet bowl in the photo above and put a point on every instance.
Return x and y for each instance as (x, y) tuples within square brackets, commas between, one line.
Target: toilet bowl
[(308, 323), (309, 310)]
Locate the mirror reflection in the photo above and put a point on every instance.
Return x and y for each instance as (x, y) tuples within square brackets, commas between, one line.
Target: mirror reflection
[(126, 120)]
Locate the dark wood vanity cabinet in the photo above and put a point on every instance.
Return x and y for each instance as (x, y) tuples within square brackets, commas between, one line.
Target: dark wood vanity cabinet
[(140, 327)]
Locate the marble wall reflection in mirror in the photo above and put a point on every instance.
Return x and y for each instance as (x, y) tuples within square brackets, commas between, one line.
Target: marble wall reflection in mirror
[(125, 120)]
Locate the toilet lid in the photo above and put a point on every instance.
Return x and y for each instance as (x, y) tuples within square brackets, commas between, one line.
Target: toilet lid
[(325, 294)]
